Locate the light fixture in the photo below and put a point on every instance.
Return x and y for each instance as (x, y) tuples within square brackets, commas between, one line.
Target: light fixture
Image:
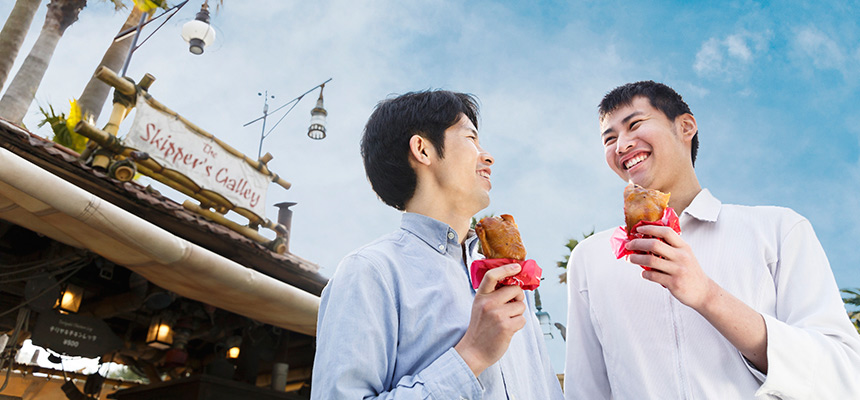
[(69, 300), (317, 129), (160, 333), (232, 345), (198, 33)]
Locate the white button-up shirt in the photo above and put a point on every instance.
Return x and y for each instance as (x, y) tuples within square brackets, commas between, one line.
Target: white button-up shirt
[(629, 338)]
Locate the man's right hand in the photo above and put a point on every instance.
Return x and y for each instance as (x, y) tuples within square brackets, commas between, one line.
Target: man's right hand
[(496, 315)]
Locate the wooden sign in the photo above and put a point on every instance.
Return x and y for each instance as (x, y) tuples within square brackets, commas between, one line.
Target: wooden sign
[(175, 146)]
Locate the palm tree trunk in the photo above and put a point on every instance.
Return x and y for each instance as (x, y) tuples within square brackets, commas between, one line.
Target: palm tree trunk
[(13, 34), (93, 97), (22, 90)]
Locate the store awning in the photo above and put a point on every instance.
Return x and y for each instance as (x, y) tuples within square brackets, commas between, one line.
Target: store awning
[(43, 202)]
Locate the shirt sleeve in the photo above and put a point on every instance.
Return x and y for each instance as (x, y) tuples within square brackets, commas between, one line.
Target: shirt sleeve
[(357, 330), (813, 349), (585, 374)]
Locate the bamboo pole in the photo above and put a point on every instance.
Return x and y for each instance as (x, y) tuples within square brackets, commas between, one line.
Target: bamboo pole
[(280, 248)]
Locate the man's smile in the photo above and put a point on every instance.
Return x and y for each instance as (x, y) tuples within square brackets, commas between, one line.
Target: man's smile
[(632, 162)]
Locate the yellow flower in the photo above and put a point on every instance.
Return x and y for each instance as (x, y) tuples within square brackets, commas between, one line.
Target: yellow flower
[(74, 115), (148, 5), (78, 142)]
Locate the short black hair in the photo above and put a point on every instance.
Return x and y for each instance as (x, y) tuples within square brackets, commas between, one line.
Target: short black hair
[(662, 97), (385, 143)]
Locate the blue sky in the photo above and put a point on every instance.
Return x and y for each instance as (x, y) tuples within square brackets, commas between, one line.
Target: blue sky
[(774, 88)]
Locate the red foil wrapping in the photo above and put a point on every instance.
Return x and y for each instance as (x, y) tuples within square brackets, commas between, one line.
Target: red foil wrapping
[(620, 237), (528, 278)]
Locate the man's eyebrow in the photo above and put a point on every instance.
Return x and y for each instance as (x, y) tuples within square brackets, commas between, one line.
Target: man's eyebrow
[(474, 131), (623, 121)]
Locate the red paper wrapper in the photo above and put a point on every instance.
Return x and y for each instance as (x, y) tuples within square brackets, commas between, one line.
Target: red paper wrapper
[(528, 278), (620, 238)]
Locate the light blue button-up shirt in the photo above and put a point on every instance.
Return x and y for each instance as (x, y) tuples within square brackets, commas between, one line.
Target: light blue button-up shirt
[(390, 317)]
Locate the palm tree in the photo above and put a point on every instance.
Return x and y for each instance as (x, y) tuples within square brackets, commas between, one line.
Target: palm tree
[(13, 34), (95, 94), (571, 244), (852, 297), (15, 102)]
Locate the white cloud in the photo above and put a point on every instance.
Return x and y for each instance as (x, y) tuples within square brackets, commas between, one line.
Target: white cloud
[(731, 57), (824, 52)]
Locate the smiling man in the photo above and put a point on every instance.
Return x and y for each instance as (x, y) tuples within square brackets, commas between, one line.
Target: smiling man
[(741, 305), (399, 319)]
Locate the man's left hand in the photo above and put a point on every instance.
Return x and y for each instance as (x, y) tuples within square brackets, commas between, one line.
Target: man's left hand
[(672, 264)]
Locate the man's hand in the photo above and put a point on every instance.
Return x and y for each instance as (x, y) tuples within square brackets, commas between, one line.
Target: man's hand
[(496, 315), (673, 265)]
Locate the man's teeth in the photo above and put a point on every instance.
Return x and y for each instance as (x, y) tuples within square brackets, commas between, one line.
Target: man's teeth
[(635, 160), (484, 174)]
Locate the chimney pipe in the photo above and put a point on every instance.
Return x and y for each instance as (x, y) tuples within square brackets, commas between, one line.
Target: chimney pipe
[(285, 218)]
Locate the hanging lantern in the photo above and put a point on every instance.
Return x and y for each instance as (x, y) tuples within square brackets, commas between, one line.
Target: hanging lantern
[(199, 33), (69, 300), (232, 345), (318, 114), (160, 333)]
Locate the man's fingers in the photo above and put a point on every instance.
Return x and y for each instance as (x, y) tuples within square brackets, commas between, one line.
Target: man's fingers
[(662, 232), (513, 309), (657, 277), (493, 276)]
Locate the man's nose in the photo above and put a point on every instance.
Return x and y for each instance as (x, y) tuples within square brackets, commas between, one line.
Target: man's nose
[(624, 143), (487, 158)]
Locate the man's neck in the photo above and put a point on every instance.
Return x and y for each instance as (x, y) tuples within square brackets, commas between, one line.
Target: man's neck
[(458, 220), (683, 193)]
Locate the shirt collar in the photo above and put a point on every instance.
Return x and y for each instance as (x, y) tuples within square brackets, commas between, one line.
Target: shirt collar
[(435, 233), (704, 207)]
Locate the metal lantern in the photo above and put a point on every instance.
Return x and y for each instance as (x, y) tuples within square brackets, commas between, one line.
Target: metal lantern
[(198, 33), (160, 333), (69, 300), (317, 129)]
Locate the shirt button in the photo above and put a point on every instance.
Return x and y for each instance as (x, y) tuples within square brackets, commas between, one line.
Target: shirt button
[(450, 235), (441, 247)]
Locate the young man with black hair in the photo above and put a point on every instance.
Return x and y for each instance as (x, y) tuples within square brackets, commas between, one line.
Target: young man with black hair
[(742, 304), (399, 319)]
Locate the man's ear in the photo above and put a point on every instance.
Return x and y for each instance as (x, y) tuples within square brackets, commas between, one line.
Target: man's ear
[(420, 149), (687, 126)]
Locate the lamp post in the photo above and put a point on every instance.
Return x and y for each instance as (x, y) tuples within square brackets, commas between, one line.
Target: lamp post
[(543, 317), (198, 33), (316, 130)]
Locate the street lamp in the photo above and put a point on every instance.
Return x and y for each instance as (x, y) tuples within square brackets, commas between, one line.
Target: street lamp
[(135, 30), (198, 33), (316, 130)]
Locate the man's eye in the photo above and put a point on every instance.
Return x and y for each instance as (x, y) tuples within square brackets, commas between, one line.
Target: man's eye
[(634, 124), (608, 140)]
